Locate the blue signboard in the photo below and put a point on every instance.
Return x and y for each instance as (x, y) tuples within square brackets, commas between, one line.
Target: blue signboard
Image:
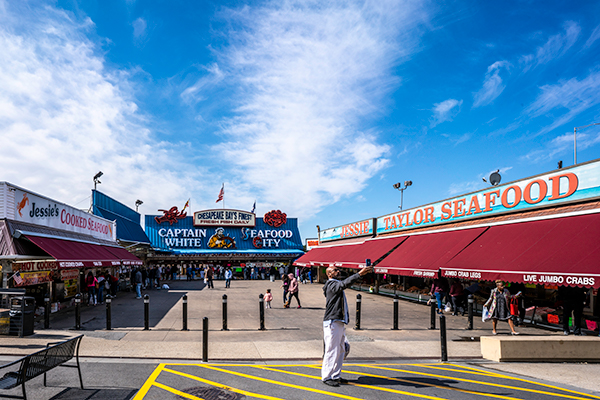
[(181, 235)]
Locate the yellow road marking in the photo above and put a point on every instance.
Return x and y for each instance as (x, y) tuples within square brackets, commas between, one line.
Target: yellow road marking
[(282, 383), (473, 381), (148, 384), (177, 392), (367, 386), (426, 384), (219, 385), (476, 371)]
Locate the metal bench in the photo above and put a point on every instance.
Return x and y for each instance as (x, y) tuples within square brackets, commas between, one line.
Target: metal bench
[(54, 355)]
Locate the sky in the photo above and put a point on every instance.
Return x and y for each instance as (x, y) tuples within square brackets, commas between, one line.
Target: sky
[(309, 107)]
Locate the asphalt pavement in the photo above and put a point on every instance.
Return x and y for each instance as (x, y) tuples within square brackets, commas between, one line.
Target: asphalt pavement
[(165, 362)]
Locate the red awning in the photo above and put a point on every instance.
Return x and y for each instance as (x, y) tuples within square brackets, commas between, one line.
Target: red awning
[(71, 254), (423, 255), (558, 251), (126, 257), (349, 255)]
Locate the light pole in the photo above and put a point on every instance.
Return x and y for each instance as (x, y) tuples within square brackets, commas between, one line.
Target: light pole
[(97, 178), (138, 203), (575, 139), (401, 189)]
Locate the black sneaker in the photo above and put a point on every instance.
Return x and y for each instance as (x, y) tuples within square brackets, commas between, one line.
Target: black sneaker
[(331, 382), (342, 381)]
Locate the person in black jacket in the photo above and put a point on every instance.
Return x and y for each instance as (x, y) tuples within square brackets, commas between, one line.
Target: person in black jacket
[(334, 324)]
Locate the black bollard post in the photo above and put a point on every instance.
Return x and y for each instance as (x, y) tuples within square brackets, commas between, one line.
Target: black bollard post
[(471, 301), (46, 312), (395, 327), (184, 300), (261, 309), (146, 312), (205, 339), (443, 340), (78, 311), (108, 312), (358, 304), (433, 305), (224, 313)]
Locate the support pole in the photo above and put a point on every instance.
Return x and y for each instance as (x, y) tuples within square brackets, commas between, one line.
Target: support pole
[(358, 306), (470, 302), (224, 313), (205, 339), (146, 312), (78, 311), (395, 326), (185, 322), (443, 339), (108, 312), (261, 309)]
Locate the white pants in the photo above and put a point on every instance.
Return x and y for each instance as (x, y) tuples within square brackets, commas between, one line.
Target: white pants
[(336, 349)]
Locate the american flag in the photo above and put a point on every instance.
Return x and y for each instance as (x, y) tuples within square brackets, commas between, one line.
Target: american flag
[(221, 194), (253, 207), (17, 278)]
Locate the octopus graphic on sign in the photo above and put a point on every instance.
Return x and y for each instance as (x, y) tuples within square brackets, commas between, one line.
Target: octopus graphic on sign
[(173, 215), (220, 241)]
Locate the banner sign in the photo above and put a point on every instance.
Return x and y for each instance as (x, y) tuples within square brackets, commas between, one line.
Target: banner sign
[(26, 266), (310, 243), (563, 186), (529, 278), (224, 217), (68, 274), (355, 229), (186, 237), (42, 211), (34, 278)]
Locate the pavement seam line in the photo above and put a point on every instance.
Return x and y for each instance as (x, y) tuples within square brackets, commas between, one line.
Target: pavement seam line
[(426, 384), (149, 382), (220, 385), (177, 392), (283, 383), (479, 382), (508, 377), (360, 385)]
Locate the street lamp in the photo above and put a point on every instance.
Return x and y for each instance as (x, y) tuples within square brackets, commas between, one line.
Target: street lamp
[(401, 189), (97, 178), (575, 139), (137, 204)]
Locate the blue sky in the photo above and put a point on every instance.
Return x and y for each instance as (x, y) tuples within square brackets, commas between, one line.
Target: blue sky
[(314, 108)]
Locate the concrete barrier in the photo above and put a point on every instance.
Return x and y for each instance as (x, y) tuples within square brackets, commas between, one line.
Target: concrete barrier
[(540, 348)]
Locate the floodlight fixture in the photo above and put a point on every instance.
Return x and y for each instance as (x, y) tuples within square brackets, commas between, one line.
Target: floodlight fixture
[(97, 178), (401, 189), (138, 203)]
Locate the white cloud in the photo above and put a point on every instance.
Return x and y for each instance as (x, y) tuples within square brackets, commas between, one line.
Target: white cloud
[(593, 37), (64, 116), (445, 111), (139, 28), (555, 47), (306, 75), (566, 100), (563, 145), (492, 84)]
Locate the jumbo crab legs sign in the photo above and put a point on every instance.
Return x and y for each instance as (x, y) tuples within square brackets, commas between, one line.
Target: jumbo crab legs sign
[(559, 187)]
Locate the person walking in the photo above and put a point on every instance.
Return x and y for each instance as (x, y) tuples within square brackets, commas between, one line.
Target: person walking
[(138, 283), (439, 290), (285, 284), (334, 324), (209, 277), (101, 286), (228, 276), (293, 291), (498, 305), (91, 282), (268, 298), (457, 296)]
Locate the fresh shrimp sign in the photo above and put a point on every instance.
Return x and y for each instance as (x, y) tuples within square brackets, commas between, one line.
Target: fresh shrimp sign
[(559, 187), (39, 210)]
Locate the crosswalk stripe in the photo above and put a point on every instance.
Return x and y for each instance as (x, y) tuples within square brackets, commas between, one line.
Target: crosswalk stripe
[(148, 384)]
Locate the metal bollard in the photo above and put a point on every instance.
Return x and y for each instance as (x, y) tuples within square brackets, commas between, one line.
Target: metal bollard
[(108, 312), (358, 305), (443, 340), (205, 339), (433, 311), (185, 328), (46, 312), (395, 327), (224, 313), (471, 301), (261, 309), (78, 311), (146, 312)]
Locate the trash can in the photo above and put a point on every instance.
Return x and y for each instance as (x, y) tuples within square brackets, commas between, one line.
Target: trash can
[(22, 316)]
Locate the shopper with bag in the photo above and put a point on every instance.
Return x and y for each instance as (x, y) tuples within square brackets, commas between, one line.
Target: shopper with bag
[(499, 307)]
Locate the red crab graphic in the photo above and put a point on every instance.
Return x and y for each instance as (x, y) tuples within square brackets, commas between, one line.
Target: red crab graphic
[(275, 218)]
